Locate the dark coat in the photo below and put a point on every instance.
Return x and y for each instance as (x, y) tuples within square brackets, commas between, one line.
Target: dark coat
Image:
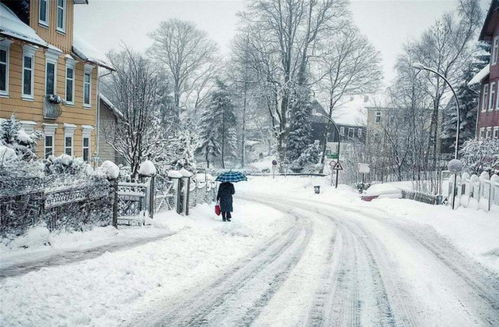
[(225, 191)]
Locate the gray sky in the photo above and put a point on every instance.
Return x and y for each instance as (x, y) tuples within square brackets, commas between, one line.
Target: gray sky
[(387, 23)]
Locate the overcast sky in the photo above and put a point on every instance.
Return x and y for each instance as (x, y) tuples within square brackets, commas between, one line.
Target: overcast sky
[(388, 23)]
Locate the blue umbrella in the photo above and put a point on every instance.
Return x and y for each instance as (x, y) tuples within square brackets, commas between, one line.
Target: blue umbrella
[(231, 176)]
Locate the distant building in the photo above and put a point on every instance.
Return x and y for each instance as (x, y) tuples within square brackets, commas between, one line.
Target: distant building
[(350, 119), (488, 110)]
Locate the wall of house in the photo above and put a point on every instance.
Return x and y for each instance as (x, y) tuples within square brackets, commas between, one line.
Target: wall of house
[(32, 110), (107, 123), (62, 40)]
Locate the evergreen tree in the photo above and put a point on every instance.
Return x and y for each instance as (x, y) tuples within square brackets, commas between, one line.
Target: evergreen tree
[(300, 129), (218, 126), (13, 135), (468, 102)]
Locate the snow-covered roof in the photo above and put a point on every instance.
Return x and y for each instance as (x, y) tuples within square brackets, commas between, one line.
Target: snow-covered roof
[(88, 53), (111, 105), (12, 26), (352, 112), (480, 76)]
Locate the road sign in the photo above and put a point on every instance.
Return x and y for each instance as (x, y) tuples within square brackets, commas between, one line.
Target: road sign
[(332, 163), (332, 156), (338, 166), (274, 162)]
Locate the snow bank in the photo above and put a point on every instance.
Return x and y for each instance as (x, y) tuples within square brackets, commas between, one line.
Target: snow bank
[(147, 168), (109, 169), (174, 174), (185, 173), (384, 190)]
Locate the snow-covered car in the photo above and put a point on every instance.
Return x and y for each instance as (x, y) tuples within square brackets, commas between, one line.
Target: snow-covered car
[(382, 191)]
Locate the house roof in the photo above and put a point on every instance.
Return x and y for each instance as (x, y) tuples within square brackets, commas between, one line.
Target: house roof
[(352, 112), (478, 78), (488, 25), (80, 2), (12, 26), (86, 52), (111, 106)]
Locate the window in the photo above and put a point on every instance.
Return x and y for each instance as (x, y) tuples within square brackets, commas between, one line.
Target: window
[(87, 79), (351, 132), (43, 17), (378, 116), (49, 146), (4, 67), (68, 145), (68, 138), (492, 95), (496, 132), (489, 133), (482, 133), (485, 97), (70, 82), (86, 148), (359, 133), (342, 131), (50, 78), (495, 51), (28, 71), (61, 15)]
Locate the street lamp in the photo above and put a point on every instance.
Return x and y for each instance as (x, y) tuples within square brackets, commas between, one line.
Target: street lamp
[(420, 66), (339, 144)]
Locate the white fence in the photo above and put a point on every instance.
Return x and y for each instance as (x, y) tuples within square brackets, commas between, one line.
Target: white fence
[(480, 192)]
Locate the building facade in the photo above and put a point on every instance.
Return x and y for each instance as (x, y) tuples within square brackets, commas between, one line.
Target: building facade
[(46, 81), (488, 110)]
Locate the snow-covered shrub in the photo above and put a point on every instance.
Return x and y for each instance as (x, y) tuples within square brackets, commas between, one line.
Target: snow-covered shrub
[(13, 135), (65, 164), (480, 155), (109, 169)]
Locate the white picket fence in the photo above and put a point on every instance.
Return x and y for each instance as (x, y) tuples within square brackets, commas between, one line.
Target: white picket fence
[(480, 192)]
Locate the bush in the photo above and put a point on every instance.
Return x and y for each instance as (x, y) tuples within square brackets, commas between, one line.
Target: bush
[(480, 155), (13, 136)]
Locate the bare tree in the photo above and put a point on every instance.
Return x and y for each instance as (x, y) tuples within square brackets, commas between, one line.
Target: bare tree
[(283, 37), (187, 55), (347, 64), (134, 91)]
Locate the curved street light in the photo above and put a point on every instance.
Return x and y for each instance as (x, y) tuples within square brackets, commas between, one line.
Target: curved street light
[(339, 142), (458, 121)]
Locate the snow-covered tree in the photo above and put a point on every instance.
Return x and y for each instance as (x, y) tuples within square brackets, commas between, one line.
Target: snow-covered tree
[(480, 155), (300, 129), (13, 135), (308, 159), (218, 126), (468, 103)]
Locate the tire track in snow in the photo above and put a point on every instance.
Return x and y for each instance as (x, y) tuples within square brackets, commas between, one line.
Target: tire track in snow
[(272, 262)]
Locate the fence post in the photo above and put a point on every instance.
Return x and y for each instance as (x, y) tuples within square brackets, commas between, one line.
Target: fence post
[(151, 196), (114, 187), (187, 188)]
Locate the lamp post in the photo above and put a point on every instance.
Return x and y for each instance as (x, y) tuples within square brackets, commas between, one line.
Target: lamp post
[(339, 145), (458, 123)]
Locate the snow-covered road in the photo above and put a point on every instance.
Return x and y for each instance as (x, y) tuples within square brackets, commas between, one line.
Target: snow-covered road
[(288, 259)]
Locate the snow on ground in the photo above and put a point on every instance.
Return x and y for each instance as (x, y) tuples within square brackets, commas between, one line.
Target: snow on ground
[(117, 286), (265, 163), (475, 232)]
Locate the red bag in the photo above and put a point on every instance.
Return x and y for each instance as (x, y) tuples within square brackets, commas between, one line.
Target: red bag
[(218, 210)]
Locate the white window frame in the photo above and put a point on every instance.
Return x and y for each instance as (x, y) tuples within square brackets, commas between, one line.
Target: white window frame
[(351, 129), (485, 97), (377, 117), (70, 64), (492, 95), (495, 133), (49, 130), (86, 133), (5, 45), (488, 133), (482, 133), (69, 130), (51, 57), (342, 131), (359, 133), (28, 51), (47, 13), (63, 8), (88, 70)]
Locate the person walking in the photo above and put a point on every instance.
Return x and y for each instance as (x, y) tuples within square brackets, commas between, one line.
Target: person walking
[(224, 197)]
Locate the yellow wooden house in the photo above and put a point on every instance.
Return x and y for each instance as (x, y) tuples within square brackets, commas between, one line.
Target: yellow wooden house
[(48, 78)]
